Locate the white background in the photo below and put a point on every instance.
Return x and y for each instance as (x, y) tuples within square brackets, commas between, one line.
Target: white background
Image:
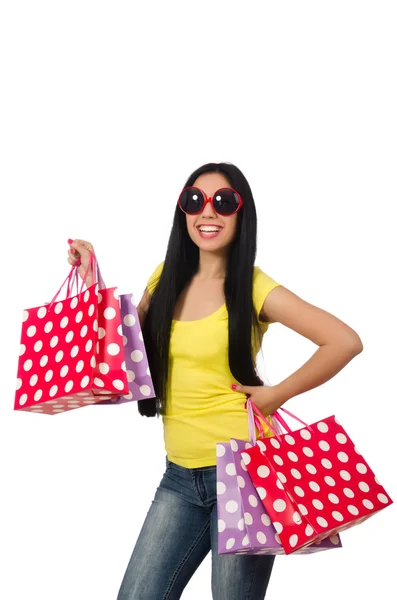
[(106, 108)]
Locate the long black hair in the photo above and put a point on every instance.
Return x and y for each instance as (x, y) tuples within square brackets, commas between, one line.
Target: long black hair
[(181, 263)]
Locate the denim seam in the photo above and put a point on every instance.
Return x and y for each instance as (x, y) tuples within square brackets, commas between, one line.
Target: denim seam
[(254, 565), (184, 560)]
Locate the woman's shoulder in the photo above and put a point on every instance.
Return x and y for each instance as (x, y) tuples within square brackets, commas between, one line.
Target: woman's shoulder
[(263, 284), (154, 278)]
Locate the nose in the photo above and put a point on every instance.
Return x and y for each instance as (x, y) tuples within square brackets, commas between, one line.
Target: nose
[(208, 211)]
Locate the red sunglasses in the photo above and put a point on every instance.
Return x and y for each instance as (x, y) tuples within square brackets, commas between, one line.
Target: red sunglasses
[(225, 201)]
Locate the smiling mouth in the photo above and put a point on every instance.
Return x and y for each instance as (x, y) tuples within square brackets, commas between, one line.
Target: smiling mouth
[(209, 228)]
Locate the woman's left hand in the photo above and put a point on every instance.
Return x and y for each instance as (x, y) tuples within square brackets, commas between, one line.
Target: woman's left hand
[(265, 398)]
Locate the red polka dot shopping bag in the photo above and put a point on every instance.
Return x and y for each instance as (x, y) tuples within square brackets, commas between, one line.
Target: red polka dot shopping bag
[(313, 482), (71, 352), (244, 525), (140, 382)]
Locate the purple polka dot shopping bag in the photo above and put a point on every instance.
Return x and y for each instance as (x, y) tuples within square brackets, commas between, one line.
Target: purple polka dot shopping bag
[(140, 384), (244, 526)]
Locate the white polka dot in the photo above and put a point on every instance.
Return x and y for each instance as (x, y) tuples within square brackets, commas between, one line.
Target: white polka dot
[(345, 475), (348, 492), (261, 492), (266, 520), (220, 488), (22, 349), (87, 296), (240, 525), (314, 486), (43, 360), (322, 522), (130, 376), (84, 331), (99, 298), (25, 316), (104, 368), (68, 386), (98, 382), (311, 469), (333, 498), (38, 395), (113, 349), (352, 510), (220, 450), (231, 469), (327, 464), (23, 399), (48, 327), (53, 391), (297, 518), (323, 445), (88, 346), (93, 362), (323, 427), (240, 481), (119, 330), (74, 352), (305, 434), (253, 500), (85, 381), (295, 473), (275, 443), (317, 504), (129, 320), (298, 491), (221, 525), (277, 459), (80, 366), (33, 380), (248, 518), (125, 340), (303, 509), (74, 303), (128, 396), (91, 310), (343, 457), (261, 537), (58, 308), (309, 530), (148, 372), (382, 498), (28, 364), (145, 390), (337, 516), (233, 445), (140, 336), (79, 316), (292, 456), (109, 313), (279, 505), (69, 336), (263, 471), (261, 445), (245, 541), (231, 506), (242, 464), (19, 384), (279, 485), (59, 356), (342, 439), (64, 371), (308, 452), (293, 540), (278, 527), (95, 325), (136, 356), (247, 459), (357, 450), (368, 504), (289, 439), (38, 346), (364, 487), (49, 375), (31, 331), (54, 341), (361, 468)]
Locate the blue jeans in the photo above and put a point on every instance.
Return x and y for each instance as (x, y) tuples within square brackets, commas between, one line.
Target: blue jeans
[(180, 529)]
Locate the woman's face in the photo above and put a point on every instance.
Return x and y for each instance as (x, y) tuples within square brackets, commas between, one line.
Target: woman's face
[(222, 228)]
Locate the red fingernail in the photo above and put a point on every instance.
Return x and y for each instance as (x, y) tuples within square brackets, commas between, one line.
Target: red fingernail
[(72, 250), (70, 241), (234, 387)]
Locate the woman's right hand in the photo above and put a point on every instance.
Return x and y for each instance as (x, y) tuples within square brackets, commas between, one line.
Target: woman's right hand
[(80, 250)]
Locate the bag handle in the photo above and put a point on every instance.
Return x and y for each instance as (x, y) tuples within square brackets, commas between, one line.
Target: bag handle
[(255, 418)]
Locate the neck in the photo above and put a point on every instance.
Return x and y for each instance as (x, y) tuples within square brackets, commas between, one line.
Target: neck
[(212, 265)]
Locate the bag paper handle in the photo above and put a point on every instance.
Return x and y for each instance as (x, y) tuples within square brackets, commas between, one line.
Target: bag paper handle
[(255, 419)]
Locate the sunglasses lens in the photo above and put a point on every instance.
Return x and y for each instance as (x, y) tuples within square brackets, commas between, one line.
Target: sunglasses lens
[(191, 201), (226, 202)]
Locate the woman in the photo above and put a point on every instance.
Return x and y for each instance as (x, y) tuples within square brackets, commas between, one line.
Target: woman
[(204, 313)]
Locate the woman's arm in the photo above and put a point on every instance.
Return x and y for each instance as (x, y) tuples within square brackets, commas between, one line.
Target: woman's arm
[(143, 307), (338, 343)]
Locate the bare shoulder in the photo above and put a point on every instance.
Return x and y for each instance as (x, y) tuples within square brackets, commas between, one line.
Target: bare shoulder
[(312, 322)]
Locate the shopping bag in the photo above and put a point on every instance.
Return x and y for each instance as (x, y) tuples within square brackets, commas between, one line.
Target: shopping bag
[(140, 384), (316, 481), (71, 350), (244, 526)]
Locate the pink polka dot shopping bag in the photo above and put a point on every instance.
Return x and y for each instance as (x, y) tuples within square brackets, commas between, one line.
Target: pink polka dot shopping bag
[(71, 352), (314, 483), (140, 383), (244, 525)]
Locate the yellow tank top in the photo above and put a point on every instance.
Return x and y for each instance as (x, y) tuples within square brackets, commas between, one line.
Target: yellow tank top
[(201, 407)]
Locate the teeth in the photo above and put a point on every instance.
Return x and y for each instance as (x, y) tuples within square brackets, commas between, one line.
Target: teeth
[(209, 228)]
